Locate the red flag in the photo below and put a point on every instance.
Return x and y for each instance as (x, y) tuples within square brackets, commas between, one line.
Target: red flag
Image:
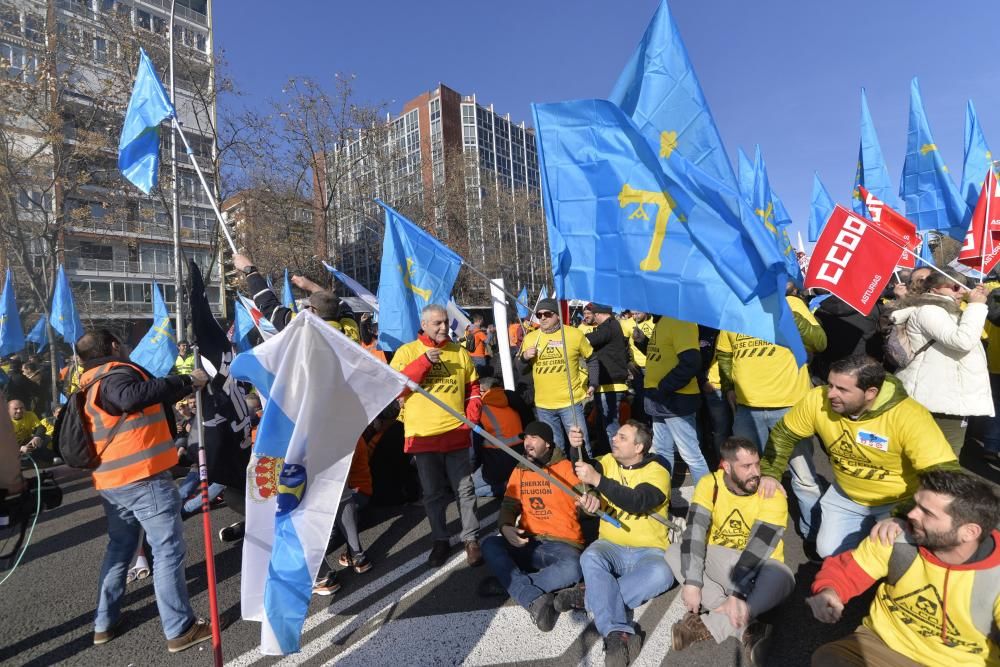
[(981, 250), (853, 259)]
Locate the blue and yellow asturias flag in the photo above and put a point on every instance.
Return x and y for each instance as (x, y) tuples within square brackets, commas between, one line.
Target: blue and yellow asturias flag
[(38, 335), (523, 310), (11, 332), (932, 199), (746, 175), (139, 145), (65, 319), (771, 214), (820, 207), (417, 270), (871, 172), (287, 296), (978, 159), (659, 91), (628, 228), (157, 350)]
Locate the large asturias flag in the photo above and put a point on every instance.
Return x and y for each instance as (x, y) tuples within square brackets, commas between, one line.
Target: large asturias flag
[(978, 158), (417, 270), (157, 350), (872, 171), (321, 391), (11, 333), (630, 229), (65, 320), (139, 144), (820, 208)]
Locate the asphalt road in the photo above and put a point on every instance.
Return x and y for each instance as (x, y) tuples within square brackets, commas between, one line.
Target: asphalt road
[(399, 613)]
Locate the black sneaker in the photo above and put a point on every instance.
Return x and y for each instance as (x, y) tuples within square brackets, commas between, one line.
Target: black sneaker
[(543, 613), (490, 588), (569, 599), (327, 585), (439, 553), (232, 533), (755, 642), (621, 649)]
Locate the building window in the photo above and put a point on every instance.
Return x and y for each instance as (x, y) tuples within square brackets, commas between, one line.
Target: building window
[(143, 19), (100, 50)]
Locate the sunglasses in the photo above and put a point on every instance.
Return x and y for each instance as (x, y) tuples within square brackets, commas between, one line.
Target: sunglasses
[(545, 313)]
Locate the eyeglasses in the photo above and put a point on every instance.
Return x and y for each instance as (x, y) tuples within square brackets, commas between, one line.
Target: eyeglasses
[(545, 313)]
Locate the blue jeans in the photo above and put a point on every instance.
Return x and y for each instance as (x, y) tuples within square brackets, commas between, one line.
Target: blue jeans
[(539, 567), (606, 405), (192, 483), (152, 505), (621, 578), (680, 433), (564, 418), (755, 424), (845, 522)]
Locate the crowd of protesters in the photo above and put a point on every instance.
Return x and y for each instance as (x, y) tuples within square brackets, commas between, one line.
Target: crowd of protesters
[(620, 407)]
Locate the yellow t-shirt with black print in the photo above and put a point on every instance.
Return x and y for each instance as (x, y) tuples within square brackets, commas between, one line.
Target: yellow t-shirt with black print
[(549, 367)]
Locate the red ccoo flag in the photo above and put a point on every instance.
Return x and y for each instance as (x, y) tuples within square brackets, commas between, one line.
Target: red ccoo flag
[(853, 260), (981, 250), (895, 225)]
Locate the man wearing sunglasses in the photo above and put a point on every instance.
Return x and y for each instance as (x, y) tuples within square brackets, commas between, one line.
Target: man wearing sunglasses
[(542, 352)]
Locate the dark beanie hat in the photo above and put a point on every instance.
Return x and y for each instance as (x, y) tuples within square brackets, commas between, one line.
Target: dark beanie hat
[(547, 304), (540, 429)]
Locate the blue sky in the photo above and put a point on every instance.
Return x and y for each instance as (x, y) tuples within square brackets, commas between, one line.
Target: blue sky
[(782, 73)]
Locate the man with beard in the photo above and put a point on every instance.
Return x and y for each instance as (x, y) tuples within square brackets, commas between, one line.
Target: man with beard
[(940, 601), (878, 440), (540, 554), (731, 557)]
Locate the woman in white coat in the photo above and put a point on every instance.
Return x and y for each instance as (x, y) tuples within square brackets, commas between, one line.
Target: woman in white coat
[(948, 375)]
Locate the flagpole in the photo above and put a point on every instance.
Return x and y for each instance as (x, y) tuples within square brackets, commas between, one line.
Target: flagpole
[(213, 598), (204, 184), (174, 195), (562, 486), (569, 376)]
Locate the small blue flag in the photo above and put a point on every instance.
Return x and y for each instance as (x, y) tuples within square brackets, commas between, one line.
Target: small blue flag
[(543, 293), (287, 299), (38, 335), (659, 91), (926, 253), (746, 173), (65, 319), (139, 145), (932, 200), (417, 270), (820, 208), (11, 333), (157, 350), (978, 159), (774, 219), (657, 236), (523, 310), (242, 328), (872, 172)]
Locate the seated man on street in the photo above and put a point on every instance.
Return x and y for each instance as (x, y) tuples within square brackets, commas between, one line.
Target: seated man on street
[(30, 433), (625, 566), (539, 554), (731, 559), (878, 440), (940, 601)]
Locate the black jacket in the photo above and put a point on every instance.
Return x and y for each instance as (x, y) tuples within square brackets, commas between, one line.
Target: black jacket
[(130, 393), (847, 332), (610, 352)]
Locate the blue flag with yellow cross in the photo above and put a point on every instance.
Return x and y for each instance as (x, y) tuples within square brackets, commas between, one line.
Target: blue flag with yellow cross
[(157, 350)]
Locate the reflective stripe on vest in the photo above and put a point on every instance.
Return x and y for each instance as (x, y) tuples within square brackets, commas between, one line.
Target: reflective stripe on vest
[(141, 446), (494, 428)]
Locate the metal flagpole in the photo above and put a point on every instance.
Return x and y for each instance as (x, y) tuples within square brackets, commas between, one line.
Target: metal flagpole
[(213, 598), (415, 387), (204, 184), (569, 378), (175, 197)]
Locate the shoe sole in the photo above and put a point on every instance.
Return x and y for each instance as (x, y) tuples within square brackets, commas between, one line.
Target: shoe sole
[(325, 591), (361, 569)]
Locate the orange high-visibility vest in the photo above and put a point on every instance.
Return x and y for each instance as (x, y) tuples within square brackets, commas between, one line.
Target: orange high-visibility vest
[(142, 445), (502, 422), (372, 349)]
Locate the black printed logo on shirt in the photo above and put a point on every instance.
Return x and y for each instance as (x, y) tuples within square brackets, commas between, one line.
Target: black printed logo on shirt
[(846, 455), (922, 611), (550, 359), (537, 504), (442, 378), (733, 532)]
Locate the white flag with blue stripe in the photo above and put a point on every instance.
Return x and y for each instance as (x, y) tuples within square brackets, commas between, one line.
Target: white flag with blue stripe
[(321, 391)]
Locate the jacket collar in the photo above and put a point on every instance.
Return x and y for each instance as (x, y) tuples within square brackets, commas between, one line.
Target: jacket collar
[(422, 337)]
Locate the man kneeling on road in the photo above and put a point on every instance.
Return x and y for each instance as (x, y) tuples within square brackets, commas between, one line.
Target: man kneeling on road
[(940, 601), (625, 566), (542, 554), (731, 559)]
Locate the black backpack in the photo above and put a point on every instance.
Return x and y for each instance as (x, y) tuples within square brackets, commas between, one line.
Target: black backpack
[(71, 438)]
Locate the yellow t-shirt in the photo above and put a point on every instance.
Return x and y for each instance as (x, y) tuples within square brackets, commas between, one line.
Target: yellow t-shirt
[(929, 600), (992, 347), (446, 381), (670, 337), (637, 531), (733, 516), (875, 460), (25, 426), (713, 373), (549, 367), (586, 328), (646, 327), (766, 375)]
